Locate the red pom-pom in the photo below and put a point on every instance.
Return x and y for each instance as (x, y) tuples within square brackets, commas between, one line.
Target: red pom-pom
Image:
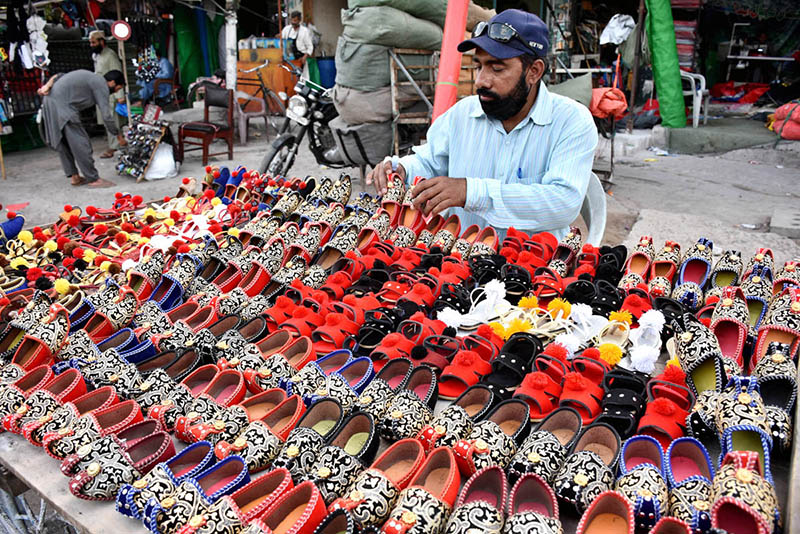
[(67, 207), (91, 211), (175, 215), (13, 214), (510, 254), (208, 168), (246, 175), (271, 183), (705, 321), (127, 227), (215, 174), (591, 352), (73, 220), (167, 199), (392, 340), (674, 374), (575, 382), (147, 232), (120, 239), (185, 181), (215, 228), (302, 186), (36, 229), (557, 350), (283, 303), (61, 241), (78, 252), (100, 229), (68, 262), (334, 319), (466, 358), (184, 249), (33, 273), (536, 380), (300, 312), (485, 331), (208, 193), (5, 301), (137, 199), (40, 236), (118, 195), (663, 407)]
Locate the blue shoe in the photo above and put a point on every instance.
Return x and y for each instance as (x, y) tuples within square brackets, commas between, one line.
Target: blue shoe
[(689, 473), (642, 480), (11, 228)]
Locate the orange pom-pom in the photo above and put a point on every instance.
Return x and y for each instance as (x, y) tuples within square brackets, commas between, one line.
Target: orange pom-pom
[(663, 407), (536, 380), (575, 382)]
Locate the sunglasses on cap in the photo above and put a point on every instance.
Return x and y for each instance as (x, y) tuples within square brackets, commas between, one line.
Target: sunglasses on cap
[(502, 32)]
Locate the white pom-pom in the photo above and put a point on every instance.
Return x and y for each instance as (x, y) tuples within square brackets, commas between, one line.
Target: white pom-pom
[(127, 264), (569, 342), (643, 358), (580, 312), (495, 290), (450, 317), (653, 319)]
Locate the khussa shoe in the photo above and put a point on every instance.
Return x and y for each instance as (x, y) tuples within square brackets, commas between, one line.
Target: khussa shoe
[(178, 401), (424, 506), (164, 478), (609, 513), (776, 374), (638, 264), (195, 495), (532, 507), (743, 500), (226, 389), (730, 325), (379, 392), (411, 408), (642, 479), (14, 394), (119, 464), (349, 450), (457, 420), (337, 522), (543, 452), (481, 504), (297, 511), (39, 345), (689, 473), (233, 512), (36, 309), (374, 492), (494, 440), (663, 269), (782, 324), (263, 438), (41, 404), (589, 468)]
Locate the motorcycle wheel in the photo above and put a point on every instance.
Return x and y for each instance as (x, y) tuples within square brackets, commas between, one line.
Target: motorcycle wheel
[(279, 158)]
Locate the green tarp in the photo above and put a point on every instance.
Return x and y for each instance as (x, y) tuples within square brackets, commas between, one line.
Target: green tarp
[(390, 27), (666, 72), (189, 44)]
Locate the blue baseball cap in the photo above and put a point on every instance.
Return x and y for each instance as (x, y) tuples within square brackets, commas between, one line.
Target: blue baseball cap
[(528, 27)]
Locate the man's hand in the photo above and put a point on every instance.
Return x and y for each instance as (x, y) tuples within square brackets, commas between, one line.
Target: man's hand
[(122, 141), (435, 195), (380, 175)]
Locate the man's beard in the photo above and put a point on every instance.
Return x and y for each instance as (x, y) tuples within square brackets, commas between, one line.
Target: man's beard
[(97, 49), (503, 108)]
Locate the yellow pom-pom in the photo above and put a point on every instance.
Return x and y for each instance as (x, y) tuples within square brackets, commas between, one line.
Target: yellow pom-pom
[(25, 236), (216, 201), (51, 246), (169, 222), (189, 217), (144, 240), (105, 266), (233, 232), (16, 263), (622, 316), (675, 362), (89, 255), (561, 306), (62, 286), (611, 353), (517, 325), (149, 212), (191, 202), (499, 329), (193, 246), (529, 302), (125, 236)]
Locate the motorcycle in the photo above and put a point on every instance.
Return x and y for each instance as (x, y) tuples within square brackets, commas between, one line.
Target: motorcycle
[(309, 111)]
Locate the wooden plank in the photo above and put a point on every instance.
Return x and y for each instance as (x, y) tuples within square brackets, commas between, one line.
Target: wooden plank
[(42, 474)]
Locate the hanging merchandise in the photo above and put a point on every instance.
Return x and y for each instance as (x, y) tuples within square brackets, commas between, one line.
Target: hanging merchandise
[(146, 65), (667, 74), (38, 41)]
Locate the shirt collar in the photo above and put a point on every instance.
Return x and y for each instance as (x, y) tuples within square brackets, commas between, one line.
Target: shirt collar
[(541, 113)]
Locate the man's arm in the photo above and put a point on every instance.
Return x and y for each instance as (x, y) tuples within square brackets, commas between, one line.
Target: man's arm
[(100, 92), (45, 89), (556, 201), (304, 43)]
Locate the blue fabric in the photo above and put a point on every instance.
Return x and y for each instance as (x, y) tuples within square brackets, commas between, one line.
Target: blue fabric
[(533, 178), (165, 72)]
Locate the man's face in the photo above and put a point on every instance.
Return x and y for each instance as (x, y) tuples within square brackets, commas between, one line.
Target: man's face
[(96, 45), (112, 87), (295, 22)]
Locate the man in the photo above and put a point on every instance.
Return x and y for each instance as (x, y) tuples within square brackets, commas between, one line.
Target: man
[(66, 95), (165, 72), (299, 43), (106, 60), (514, 154)]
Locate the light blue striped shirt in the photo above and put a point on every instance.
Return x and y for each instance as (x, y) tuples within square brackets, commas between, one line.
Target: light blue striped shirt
[(533, 178)]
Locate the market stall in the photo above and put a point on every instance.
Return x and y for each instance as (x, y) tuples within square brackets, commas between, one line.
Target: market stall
[(242, 350)]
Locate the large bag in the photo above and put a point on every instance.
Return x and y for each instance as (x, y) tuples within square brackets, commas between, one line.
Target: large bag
[(359, 107), (431, 10), (390, 27), (362, 144), (365, 66)]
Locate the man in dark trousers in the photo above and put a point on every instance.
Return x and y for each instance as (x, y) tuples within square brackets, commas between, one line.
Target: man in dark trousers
[(65, 96)]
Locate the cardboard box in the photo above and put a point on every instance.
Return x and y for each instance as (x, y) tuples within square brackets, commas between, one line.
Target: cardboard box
[(259, 55)]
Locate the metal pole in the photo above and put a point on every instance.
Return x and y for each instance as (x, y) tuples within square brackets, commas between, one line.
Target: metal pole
[(121, 51), (231, 52), (637, 56)]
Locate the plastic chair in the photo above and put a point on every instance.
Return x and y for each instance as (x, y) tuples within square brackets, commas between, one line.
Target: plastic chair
[(243, 117), (593, 211), (699, 94)]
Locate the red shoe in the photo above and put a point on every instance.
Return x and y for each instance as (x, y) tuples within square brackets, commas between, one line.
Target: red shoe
[(297, 511), (609, 513), (41, 404)]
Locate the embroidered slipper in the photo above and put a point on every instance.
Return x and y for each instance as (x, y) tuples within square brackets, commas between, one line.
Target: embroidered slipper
[(743, 500), (689, 472), (609, 513), (727, 270), (663, 269), (412, 407), (782, 324), (729, 323), (532, 506), (777, 381), (642, 480), (483, 496), (700, 356)]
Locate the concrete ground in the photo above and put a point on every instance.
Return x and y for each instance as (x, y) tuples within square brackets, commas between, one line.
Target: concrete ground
[(728, 198)]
